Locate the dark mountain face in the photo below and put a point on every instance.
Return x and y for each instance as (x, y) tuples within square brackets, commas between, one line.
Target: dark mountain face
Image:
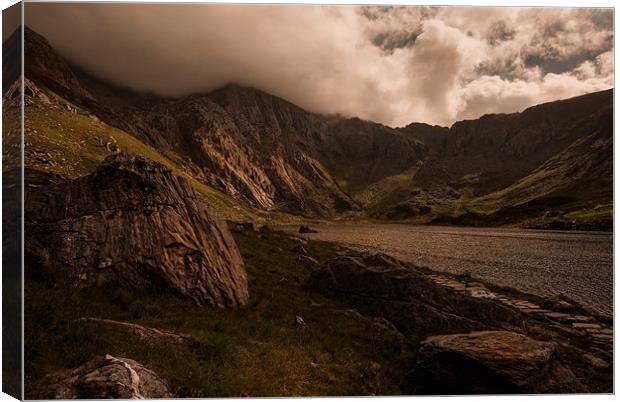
[(276, 156)]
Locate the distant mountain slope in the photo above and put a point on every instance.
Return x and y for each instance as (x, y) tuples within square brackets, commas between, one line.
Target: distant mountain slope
[(561, 149), (275, 156)]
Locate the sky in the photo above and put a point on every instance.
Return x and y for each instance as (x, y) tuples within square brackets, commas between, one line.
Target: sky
[(393, 65)]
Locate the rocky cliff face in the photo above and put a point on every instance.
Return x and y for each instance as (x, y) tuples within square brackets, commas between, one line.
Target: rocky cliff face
[(133, 224), (273, 155)]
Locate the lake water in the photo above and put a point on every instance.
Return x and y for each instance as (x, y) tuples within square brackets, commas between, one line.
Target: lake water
[(545, 263)]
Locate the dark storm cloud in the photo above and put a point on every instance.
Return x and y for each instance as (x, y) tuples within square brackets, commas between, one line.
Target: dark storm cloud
[(389, 64), (500, 32), (388, 41)]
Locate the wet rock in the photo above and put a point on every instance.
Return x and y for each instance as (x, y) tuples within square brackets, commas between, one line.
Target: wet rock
[(133, 224), (107, 377), (494, 362), (413, 302)]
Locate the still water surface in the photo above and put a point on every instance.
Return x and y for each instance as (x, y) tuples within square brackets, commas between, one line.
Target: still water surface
[(545, 263)]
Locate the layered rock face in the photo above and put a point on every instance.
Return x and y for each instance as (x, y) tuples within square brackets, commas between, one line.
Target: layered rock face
[(110, 377), (134, 224), (276, 156), (380, 286), (495, 362)]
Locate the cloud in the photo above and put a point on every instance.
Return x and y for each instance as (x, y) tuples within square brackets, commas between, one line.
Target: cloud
[(394, 65)]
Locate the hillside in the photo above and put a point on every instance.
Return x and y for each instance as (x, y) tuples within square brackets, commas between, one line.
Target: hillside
[(258, 156)]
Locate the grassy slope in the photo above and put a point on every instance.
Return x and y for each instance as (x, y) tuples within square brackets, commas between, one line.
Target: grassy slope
[(76, 143), (256, 351)]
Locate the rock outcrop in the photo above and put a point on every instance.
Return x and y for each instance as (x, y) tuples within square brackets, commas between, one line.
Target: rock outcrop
[(494, 362), (134, 224), (381, 286), (109, 377), (150, 336)]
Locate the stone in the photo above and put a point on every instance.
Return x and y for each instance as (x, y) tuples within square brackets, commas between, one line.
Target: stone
[(580, 325), (557, 316), (300, 249), (480, 293), (596, 362), (107, 377), (147, 334), (494, 362), (581, 318), (536, 311), (409, 299), (133, 224), (559, 303), (603, 337), (305, 229), (246, 227), (307, 258)]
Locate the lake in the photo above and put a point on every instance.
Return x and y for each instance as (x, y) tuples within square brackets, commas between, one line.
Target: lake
[(540, 262)]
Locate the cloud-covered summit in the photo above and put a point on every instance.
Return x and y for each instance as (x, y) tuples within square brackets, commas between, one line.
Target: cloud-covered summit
[(389, 64)]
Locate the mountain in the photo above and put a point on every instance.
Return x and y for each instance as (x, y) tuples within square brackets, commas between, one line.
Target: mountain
[(257, 152), (557, 155)]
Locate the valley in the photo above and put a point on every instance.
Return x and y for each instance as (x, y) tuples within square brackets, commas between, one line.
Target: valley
[(229, 243), (254, 156)]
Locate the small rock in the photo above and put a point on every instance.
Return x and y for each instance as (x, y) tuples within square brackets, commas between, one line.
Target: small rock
[(581, 325), (595, 362), (300, 249), (557, 316), (246, 227), (307, 258), (306, 229)]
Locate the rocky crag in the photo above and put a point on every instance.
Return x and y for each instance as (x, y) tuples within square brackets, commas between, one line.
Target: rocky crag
[(136, 225), (549, 165)]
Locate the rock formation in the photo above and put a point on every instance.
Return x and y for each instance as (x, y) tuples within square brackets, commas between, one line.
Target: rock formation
[(109, 377), (150, 336), (381, 286), (494, 362), (274, 155), (133, 224)]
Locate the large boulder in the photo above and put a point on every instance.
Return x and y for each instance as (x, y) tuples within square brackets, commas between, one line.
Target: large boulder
[(134, 224), (494, 362), (381, 286), (109, 377)]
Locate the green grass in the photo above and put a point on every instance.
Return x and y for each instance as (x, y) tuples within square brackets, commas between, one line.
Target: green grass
[(256, 351), (76, 144)]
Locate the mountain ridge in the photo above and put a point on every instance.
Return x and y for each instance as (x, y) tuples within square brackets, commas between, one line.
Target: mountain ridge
[(276, 156)]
